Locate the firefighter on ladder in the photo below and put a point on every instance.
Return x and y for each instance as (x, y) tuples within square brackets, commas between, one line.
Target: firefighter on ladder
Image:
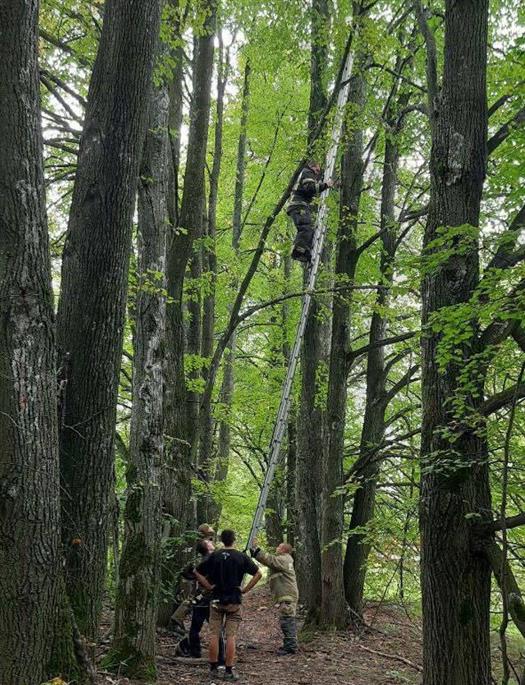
[(309, 184)]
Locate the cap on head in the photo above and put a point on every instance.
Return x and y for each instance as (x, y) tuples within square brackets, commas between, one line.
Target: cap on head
[(205, 531)]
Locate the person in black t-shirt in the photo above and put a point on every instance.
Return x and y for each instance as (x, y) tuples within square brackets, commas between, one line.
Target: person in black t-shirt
[(222, 573)]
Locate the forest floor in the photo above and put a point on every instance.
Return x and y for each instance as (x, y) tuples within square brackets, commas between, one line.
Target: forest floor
[(389, 653)]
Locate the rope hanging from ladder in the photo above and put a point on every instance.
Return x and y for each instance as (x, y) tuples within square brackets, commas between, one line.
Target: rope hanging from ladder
[(317, 248)]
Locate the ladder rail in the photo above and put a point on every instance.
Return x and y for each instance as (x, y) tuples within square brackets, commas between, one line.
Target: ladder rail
[(319, 238)]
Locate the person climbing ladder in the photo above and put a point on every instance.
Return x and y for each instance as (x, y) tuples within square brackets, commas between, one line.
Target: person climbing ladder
[(308, 186), (317, 237)]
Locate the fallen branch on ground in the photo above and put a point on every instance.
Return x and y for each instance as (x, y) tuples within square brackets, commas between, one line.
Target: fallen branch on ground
[(394, 657)]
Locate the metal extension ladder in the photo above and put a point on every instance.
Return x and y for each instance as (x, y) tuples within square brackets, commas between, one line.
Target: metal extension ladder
[(317, 248)]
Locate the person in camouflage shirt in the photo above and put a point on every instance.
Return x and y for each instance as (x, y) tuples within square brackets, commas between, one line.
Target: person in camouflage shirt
[(283, 584)]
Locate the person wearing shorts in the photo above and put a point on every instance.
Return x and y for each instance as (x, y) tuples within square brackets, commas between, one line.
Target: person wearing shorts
[(222, 573)]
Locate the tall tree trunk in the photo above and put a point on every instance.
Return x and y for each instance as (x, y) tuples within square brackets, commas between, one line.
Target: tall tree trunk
[(228, 380), (94, 286), (311, 419), (319, 33), (35, 624), (133, 649), (275, 509), (207, 462), (179, 427), (373, 430), (455, 579), (333, 606), (176, 108)]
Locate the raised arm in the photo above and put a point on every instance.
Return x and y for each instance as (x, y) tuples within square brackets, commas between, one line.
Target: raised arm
[(277, 562)]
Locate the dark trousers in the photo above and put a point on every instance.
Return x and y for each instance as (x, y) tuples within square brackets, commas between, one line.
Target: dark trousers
[(288, 622), (302, 218), (199, 615)]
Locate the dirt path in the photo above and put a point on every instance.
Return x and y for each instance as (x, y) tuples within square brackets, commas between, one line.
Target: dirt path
[(323, 659)]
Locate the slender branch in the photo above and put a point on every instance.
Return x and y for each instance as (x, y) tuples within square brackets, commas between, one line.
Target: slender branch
[(405, 380), (505, 256), (497, 331), (64, 86), (53, 40), (502, 399), (507, 583), (53, 90), (353, 354), (394, 657), (364, 246), (518, 334), (505, 131), (283, 298), (508, 523), (432, 72), (265, 169)]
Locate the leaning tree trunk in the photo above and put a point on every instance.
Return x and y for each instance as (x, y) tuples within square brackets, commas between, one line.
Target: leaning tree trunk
[(133, 650), (454, 485), (35, 623), (333, 606), (311, 417), (94, 286)]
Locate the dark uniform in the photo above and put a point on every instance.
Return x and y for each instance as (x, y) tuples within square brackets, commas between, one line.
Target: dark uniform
[(200, 612), (308, 185)]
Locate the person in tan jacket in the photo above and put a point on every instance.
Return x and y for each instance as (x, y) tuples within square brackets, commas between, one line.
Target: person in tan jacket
[(283, 584)]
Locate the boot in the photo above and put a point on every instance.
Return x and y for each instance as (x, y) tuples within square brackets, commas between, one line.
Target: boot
[(231, 676), (289, 628), (301, 254)]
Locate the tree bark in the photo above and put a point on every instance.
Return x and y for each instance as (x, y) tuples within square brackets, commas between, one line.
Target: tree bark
[(455, 579), (311, 418), (207, 462), (275, 510), (94, 287), (36, 632), (373, 429), (176, 109), (180, 410), (133, 649), (333, 605), (228, 379), (377, 399)]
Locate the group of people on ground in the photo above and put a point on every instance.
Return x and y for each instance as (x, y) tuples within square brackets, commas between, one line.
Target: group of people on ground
[(219, 576)]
